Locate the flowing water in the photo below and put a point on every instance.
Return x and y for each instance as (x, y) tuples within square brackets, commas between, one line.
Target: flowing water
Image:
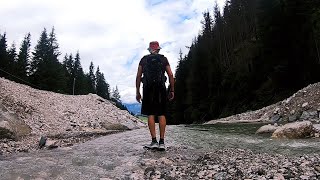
[(243, 136), (118, 155)]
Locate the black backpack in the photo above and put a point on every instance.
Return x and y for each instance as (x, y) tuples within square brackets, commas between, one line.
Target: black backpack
[(153, 71)]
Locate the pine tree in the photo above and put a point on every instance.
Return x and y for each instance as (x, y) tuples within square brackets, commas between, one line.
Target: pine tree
[(91, 79), (3, 56), (12, 60), (46, 70), (22, 65), (79, 77), (68, 69), (102, 87), (116, 95)]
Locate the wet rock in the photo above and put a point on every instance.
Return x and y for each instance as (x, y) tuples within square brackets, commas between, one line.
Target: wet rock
[(266, 129), (294, 130)]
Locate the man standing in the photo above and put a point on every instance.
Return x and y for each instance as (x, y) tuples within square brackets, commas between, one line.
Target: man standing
[(153, 67)]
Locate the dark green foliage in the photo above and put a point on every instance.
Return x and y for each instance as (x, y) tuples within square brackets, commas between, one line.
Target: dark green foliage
[(4, 60), (80, 81), (46, 71), (12, 59), (91, 78), (102, 87), (22, 65), (67, 65), (257, 53)]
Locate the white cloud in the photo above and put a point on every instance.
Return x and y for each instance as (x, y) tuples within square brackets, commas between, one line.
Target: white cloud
[(114, 34)]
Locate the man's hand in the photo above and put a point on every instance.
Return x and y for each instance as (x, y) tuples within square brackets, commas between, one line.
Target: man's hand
[(138, 97), (171, 95)]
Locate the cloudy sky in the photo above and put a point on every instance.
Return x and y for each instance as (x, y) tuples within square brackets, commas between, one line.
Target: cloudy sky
[(114, 34)]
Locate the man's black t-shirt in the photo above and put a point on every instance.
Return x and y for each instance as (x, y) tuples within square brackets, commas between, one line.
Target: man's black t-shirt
[(154, 98)]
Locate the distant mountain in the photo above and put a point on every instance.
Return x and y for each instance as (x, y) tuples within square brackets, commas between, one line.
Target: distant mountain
[(134, 108)]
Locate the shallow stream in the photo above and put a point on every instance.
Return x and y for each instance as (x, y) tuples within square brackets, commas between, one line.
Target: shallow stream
[(119, 155)]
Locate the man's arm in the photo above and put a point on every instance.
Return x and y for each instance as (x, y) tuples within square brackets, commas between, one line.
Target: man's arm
[(138, 82), (171, 81)]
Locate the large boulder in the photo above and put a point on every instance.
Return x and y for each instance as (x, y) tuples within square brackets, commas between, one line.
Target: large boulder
[(267, 129), (295, 130), (114, 126), (5, 130), (11, 126)]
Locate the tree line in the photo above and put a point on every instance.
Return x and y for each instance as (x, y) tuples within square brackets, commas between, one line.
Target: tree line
[(255, 53), (42, 69)]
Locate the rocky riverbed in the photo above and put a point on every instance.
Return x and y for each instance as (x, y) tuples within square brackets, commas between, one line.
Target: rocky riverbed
[(121, 156)]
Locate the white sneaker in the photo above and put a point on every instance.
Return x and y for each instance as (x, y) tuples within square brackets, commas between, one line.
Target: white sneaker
[(161, 147), (153, 145)]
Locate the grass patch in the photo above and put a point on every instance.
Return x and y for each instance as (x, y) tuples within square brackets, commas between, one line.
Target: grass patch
[(143, 118)]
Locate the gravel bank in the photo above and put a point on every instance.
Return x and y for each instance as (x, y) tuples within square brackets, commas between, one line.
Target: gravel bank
[(183, 163)]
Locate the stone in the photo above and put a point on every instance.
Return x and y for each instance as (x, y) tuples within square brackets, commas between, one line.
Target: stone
[(11, 126), (307, 115), (149, 171), (220, 176), (5, 130), (110, 126), (294, 130), (316, 128), (294, 116), (305, 104), (266, 129), (51, 144), (42, 142), (279, 177), (275, 118)]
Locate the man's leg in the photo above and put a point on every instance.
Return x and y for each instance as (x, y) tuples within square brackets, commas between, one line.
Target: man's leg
[(152, 126), (162, 126)]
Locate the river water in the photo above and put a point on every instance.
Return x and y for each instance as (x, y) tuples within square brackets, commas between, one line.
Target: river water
[(243, 136), (119, 155)]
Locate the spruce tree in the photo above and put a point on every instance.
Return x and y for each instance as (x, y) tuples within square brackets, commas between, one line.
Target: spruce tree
[(91, 79), (23, 60), (12, 60), (46, 70), (4, 61), (68, 69), (116, 95), (102, 87), (79, 77)]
